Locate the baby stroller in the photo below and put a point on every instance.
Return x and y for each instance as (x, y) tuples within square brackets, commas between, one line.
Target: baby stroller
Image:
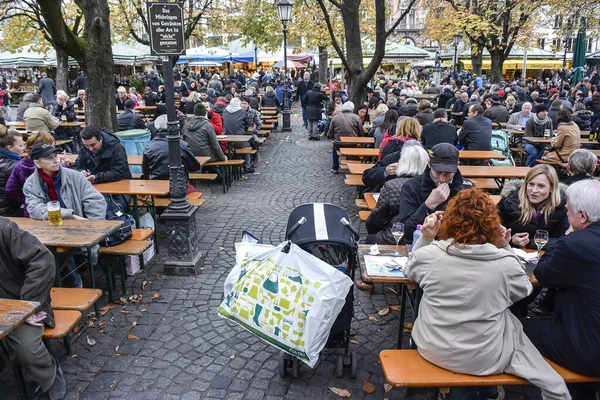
[(324, 230)]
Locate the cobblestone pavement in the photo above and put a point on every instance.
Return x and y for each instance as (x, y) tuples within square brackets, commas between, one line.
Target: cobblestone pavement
[(173, 345)]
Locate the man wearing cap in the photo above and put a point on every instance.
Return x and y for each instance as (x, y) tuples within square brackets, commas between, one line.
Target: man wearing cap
[(77, 197), (431, 191), (27, 272), (538, 125)]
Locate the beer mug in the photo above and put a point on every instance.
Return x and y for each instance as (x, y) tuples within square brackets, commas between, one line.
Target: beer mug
[(547, 133), (63, 118), (54, 214)]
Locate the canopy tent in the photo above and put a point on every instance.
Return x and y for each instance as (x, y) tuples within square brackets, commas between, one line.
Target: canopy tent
[(23, 57), (290, 64), (516, 53), (512, 64), (205, 54), (202, 63), (395, 52), (262, 56)]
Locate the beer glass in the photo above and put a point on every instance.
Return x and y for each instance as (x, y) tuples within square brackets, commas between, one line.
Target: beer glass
[(54, 215)]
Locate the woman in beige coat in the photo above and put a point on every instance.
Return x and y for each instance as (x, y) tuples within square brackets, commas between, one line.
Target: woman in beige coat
[(567, 139), (470, 278)]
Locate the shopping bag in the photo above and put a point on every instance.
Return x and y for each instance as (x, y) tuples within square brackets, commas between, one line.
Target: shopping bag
[(289, 299)]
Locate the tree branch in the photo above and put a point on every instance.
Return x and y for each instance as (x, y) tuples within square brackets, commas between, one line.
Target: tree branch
[(58, 30), (336, 4), (334, 41)]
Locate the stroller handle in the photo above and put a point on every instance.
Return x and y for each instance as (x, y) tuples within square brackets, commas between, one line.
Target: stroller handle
[(351, 227), (295, 227)]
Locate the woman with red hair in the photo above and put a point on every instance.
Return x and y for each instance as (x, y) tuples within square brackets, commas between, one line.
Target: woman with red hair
[(470, 277)]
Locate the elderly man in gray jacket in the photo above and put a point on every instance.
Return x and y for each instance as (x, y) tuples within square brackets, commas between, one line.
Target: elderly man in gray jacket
[(77, 197)]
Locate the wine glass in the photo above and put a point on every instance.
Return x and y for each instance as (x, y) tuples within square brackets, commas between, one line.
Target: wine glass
[(398, 233), (540, 239)]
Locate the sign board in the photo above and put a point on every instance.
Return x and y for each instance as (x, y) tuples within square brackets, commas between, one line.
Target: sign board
[(166, 29)]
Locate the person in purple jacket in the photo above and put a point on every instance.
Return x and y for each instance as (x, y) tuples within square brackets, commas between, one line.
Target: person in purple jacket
[(24, 168)]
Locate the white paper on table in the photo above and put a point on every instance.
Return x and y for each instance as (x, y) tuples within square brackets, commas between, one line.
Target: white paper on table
[(385, 265), (525, 255), (374, 250), (376, 197)]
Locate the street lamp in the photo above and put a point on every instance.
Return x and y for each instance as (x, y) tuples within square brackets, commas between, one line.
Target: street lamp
[(285, 13), (456, 38)]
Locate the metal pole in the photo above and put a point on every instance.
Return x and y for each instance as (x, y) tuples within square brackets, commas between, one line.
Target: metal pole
[(180, 216), (524, 74), (455, 59), (286, 107)]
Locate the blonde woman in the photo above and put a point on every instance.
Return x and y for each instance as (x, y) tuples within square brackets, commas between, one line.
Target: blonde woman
[(191, 102), (536, 203), (121, 97), (407, 128)]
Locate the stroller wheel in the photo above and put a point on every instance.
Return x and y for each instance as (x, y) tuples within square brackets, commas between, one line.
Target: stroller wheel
[(295, 367), (353, 365), (339, 368), (282, 364)]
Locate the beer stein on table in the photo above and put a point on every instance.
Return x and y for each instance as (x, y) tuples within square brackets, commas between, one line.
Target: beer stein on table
[(54, 214)]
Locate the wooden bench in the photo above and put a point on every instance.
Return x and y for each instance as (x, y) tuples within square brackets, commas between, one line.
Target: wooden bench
[(344, 163), (129, 247), (364, 215), (164, 202), (354, 180), (485, 183), (229, 169), (141, 234), (361, 203), (77, 299), (406, 368), (64, 322)]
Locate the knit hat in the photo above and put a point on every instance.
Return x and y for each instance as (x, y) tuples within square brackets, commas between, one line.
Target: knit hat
[(540, 108), (348, 106)]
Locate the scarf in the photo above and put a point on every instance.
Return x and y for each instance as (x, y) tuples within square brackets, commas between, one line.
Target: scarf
[(540, 121), (49, 181), (4, 151)]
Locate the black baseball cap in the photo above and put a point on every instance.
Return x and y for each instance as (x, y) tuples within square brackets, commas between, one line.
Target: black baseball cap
[(444, 158), (41, 150)]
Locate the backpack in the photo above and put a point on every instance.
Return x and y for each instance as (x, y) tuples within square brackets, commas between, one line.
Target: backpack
[(114, 212), (500, 144)]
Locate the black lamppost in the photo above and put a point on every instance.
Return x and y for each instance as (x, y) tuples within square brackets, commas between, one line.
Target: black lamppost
[(456, 38), (285, 13)]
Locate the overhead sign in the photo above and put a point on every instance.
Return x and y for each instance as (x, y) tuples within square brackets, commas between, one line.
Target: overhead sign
[(166, 29)]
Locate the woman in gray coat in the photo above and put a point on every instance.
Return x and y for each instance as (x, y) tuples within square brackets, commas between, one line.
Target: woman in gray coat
[(470, 277)]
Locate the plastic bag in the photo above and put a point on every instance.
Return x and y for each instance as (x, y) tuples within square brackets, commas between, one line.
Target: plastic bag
[(290, 300)]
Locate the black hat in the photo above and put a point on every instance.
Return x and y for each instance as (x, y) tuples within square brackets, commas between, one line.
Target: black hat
[(42, 150), (444, 158), (540, 108)]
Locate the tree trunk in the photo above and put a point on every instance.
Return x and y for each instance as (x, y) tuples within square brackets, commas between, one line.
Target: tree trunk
[(497, 63), (357, 92), (99, 67), (62, 69), (323, 64), (476, 59)]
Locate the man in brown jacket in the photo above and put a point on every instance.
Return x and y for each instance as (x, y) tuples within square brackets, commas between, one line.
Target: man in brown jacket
[(27, 272), (345, 123), (37, 118)]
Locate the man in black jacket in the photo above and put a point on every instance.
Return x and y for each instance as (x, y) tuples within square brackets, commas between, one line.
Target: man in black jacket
[(27, 273), (103, 157), (303, 87), (155, 162), (572, 338), (476, 132), (431, 191), (129, 119), (439, 131)]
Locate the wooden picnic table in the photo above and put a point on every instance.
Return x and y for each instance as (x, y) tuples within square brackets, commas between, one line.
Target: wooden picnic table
[(521, 132), (596, 152), (63, 124), (135, 187), (71, 234), (61, 142), (13, 313), (145, 108), (370, 199), (480, 155), (359, 152), (357, 140), (131, 160), (234, 138), (499, 172), (545, 141)]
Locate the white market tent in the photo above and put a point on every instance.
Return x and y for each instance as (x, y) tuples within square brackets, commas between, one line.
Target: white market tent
[(203, 55)]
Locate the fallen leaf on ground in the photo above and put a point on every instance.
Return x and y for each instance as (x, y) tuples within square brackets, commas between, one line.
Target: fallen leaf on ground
[(122, 300), (90, 342), (232, 356), (341, 392), (107, 307), (220, 249), (387, 387), (134, 323), (92, 315), (132, 336), (76, 329), (144, 285), (372, 318), (143, 310), (103, 313), (135, 298), (102, 323), (156, 295), (125, 312), (91, 324), (368, 386), (384, 311), (407, 327), (116, 349), (354, 341), (392, 290), (395, 308)]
